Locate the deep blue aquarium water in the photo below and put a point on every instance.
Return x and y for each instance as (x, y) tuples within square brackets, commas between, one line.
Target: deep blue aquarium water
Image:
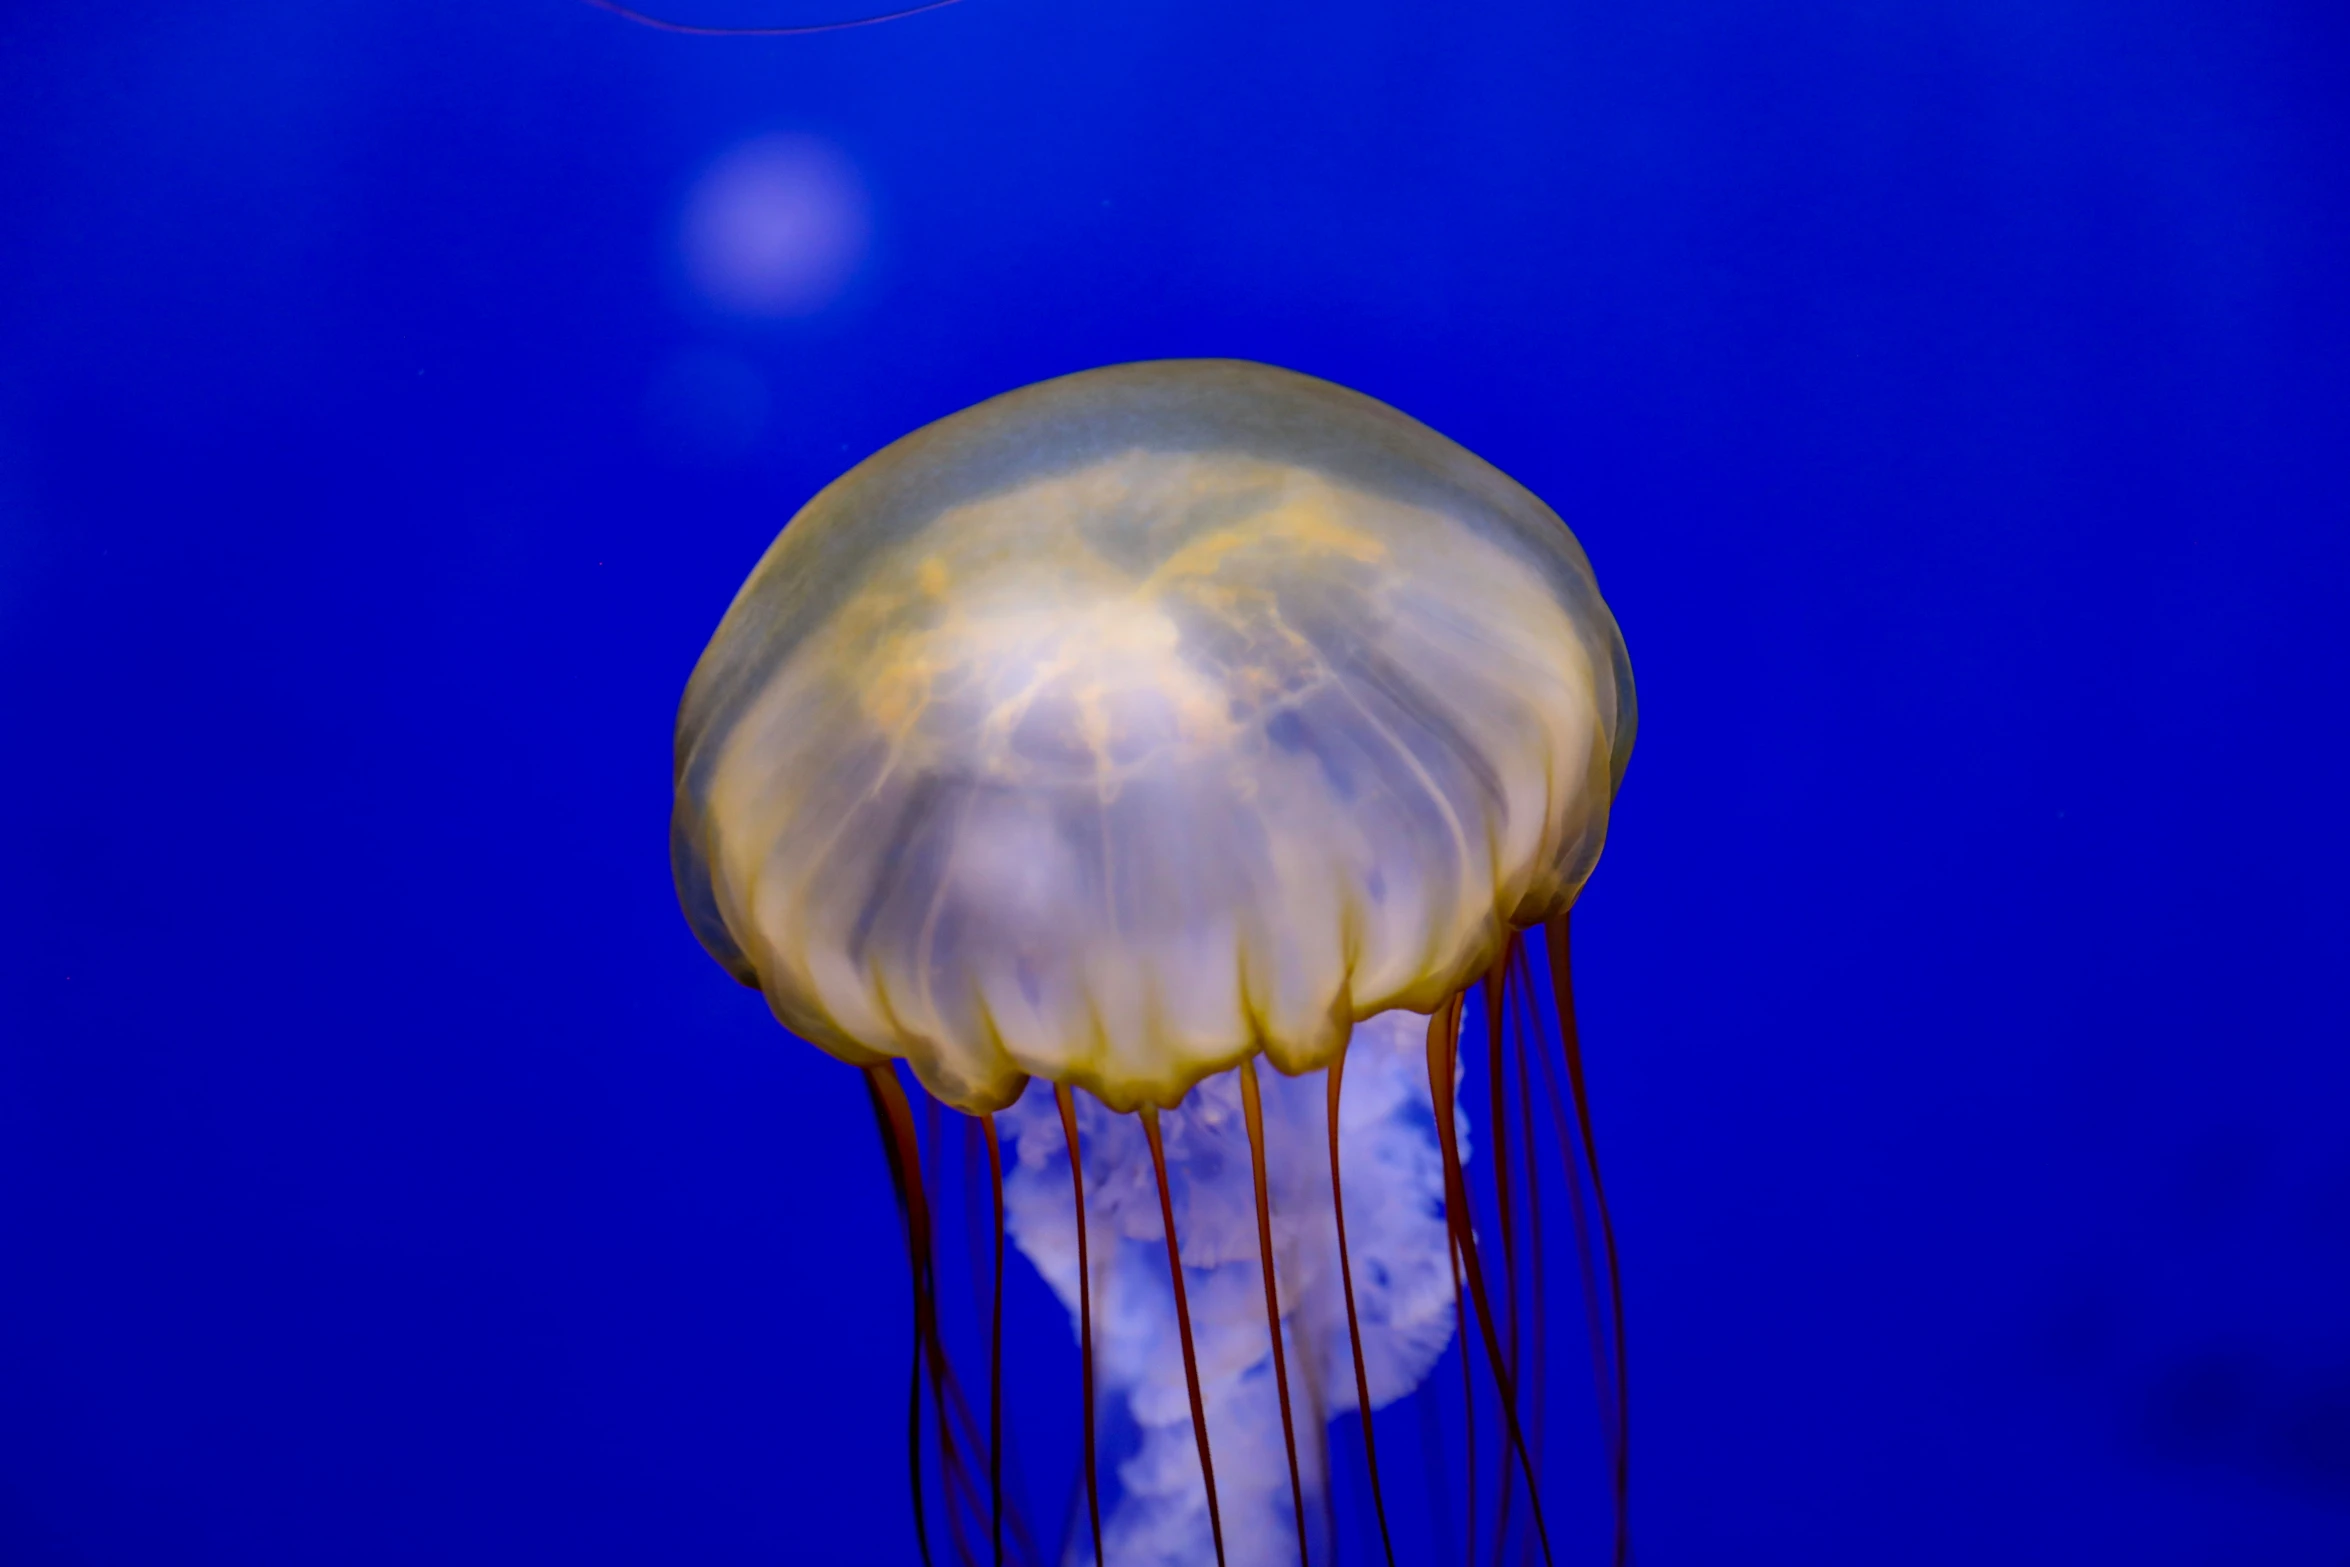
[(1954, 400)]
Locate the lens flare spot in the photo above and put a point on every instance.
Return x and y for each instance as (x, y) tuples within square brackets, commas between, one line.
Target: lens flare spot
[(775, 227)]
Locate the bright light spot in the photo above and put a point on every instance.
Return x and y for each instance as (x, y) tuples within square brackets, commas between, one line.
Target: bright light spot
[(775, 227)]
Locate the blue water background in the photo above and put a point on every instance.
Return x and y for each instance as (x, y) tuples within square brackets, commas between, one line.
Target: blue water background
[(1954, 399)]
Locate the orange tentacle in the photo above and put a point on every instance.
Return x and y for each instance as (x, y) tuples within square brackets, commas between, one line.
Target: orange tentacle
[(1571, 1046), (1199, 1413), (1354, 1328), (1093, 1494), (1252, 1110), (1443, 1031)]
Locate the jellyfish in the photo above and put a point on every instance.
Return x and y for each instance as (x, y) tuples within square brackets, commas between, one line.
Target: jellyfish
[(1075, 753)]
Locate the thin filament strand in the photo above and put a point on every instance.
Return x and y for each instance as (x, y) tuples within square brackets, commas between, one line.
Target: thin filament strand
[(1589, 1266), (1252, 1110), (1199, 1413), (1460, 1325), (1354, 1329), (1515, 990), (922, 1184), (1562, 982), (1443, 1029), (1498, 1084), (995, 1349), (880, 1084), (1093, 1494)]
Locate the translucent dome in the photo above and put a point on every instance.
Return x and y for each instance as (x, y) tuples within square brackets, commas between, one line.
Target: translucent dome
[(1130, 723)]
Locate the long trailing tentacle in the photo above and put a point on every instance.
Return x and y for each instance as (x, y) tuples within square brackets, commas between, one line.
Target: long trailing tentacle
[(967, 1140), (1354, 1329), (1460, 1329), (995, 1349), (1008, 1532), (1498, 1085), (1443, 1030), (1199, 1413), (881, 1086), (914, 1450), (1093, 1494), (920, 1197), (959, 1498), (919, 1204), (1589, 1265), (1253, 1112), (1562, 983), (1514, 991), (947, 1391)]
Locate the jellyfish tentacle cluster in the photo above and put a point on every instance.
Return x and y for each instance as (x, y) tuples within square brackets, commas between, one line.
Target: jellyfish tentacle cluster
[(1075, 751)]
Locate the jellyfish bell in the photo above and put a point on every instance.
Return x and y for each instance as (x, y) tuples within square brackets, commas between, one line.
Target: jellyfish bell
[(1126, 727), (1130, 724)]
